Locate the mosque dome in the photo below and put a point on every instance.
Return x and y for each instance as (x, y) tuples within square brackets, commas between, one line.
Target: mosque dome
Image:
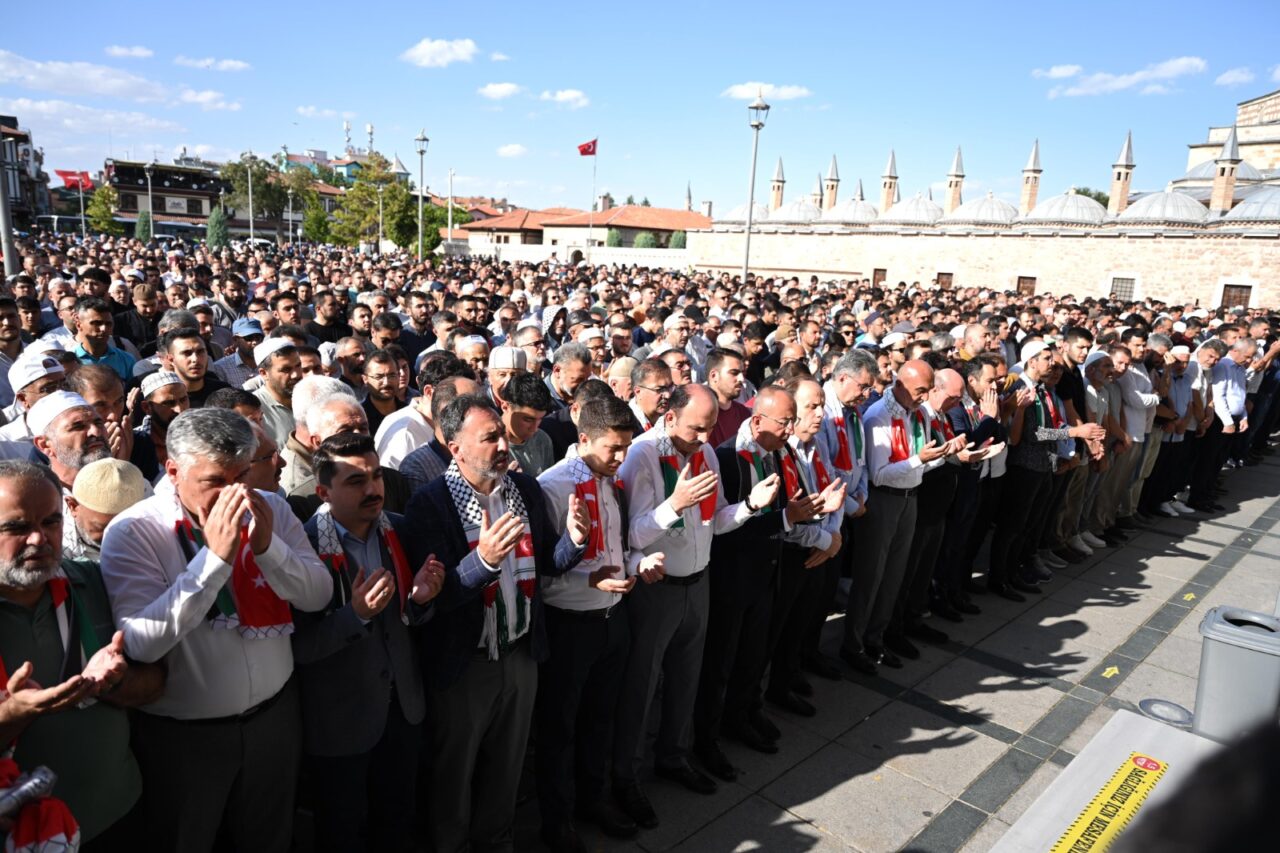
[(1167, 206), (1207, 170), (739, 214), (1261, 206), (802, 210), (1070, 208), (853, 210), (987, 210), (914, 211)]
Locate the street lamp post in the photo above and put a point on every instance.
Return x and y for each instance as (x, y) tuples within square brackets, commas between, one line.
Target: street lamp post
[(151, 204), (759, 112), (249, 171), (421, 142), (451, 205), (380, 189), (289, 227)]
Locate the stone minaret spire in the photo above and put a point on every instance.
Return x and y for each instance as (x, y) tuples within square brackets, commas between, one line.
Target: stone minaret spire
[(830, 186), (889, 184), (775, 189), (1030, 181), (1121, 174), (1224, 178), (955, 180)]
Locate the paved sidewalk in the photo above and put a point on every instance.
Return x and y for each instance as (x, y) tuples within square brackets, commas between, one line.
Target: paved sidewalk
[(946, 753)]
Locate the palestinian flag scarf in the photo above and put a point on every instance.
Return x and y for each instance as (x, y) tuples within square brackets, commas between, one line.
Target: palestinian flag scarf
[(75, 629), (669, 465), (331, 554), (586, 487), (908, 435), (43, 824), (246, 602), (813, 469), (508, 598)]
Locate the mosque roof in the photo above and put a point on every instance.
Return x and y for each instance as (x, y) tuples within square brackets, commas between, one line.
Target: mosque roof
[(1260, 206), (1205, 172), (851, 210), (800, 210), (917, 210), (1070, 208), (759, 213), (987, 210), (1167, 206)]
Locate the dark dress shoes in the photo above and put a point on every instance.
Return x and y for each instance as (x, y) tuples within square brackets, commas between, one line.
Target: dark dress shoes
[(717, 763), (694, 780), (635, 805)]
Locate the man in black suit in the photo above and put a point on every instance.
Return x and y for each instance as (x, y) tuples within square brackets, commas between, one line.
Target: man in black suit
[(490, 530), (358, 668)]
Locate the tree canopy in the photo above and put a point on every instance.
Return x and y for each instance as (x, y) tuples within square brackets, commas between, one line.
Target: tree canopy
[(100, 211)]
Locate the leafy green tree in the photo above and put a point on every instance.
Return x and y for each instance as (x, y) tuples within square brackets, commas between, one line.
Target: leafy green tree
[(332, 177), (142, 228), (646, 240), (216, 231), (678, 240), (100, 212), (644, 202), (315, 224), (1097, 195), (614, 238), (356, 219), (270, 198), (630, 200)]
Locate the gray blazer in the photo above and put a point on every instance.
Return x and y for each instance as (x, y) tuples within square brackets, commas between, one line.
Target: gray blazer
[(346, 669)]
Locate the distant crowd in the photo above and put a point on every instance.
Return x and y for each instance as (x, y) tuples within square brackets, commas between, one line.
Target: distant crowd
[(299, 536)]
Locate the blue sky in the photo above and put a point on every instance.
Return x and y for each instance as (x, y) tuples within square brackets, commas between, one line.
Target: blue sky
[(506, 92)]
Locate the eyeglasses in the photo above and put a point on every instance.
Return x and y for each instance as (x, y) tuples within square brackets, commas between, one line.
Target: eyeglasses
[(789, 423), (537, 344), (662, 390)]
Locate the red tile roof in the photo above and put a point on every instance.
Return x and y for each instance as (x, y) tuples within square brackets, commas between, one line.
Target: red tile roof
[(520, 220), (636, 216)]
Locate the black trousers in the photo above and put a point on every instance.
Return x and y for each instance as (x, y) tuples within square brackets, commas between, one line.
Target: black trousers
[(828, 583), (1025, 492), (954, 565), (936, 493), (237, 775), (1046, 525), (1163, 482), (737, 646), (990, 494), (1211, 453), (799, 597), (578, 688), (366, 802)]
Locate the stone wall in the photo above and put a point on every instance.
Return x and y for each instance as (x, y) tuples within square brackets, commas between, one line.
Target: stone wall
[(1188, 267)]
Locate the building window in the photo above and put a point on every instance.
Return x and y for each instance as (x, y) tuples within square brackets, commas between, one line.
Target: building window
[(1122, 289), (1236, 294), (195, 207), (128, 201), (1026, 285), (878, 276), (944, 280)]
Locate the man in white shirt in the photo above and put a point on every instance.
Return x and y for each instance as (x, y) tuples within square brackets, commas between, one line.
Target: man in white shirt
[(192, 584), (673, 479), (1141, 397), (587, 631)]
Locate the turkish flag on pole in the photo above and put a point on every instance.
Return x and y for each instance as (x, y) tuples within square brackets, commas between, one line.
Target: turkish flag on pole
[(587, 149), (75, 180)]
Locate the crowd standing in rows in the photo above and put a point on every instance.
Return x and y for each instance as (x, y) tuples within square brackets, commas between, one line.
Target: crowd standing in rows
[(304, 531)]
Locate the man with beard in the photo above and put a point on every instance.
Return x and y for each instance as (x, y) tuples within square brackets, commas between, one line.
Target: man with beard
[(52, 670), (163, 397), (228, 301), (726, 380), (239, 367), (381, 380), (69, 433), (281, 369), (329, 325), (203, 576), (491, 531), (358, 667), (103, 490), (183, 352), (94, 332)]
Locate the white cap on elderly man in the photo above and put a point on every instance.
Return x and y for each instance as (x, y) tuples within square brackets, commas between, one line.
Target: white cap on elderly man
[(1033, 349), (269, 347), (47, 409), (508, 358), (590, 333), (1095, 357), (153, 382), (109, 486), (673, 320), (33, 368), (1180, 350)]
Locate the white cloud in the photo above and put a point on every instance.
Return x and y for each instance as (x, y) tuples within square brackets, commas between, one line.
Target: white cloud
[(498, 91), (748, 92), (135, 52), (1155, 89), (1234, 77), (1057, 72), (572, 98), (498, 57), (208, 99), (437, 53), (1275, 74), (208, 63), (76, 78), (312, 111), (1152, 79), (76, 118), (514, 149)]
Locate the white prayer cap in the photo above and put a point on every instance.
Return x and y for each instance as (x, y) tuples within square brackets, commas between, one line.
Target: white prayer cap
[(268, 348), (109, 486), (153, 382), (470, 341), (891, 339), (508, 358), (529, 323), (1179, 326), (47, 409), (673, 320), (590, 333), (1033, 349), (726, 339), (1180, 350), (1095, 357)]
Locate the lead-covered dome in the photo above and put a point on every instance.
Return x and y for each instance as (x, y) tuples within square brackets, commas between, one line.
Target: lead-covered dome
[(1070, 208), (1165, 207), (853, 211), (917, 210), (801, 210), (1260, 206), (987, 210), (739, 214)]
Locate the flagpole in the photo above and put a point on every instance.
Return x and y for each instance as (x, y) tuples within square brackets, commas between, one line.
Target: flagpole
[(591, 211), (84, 237)]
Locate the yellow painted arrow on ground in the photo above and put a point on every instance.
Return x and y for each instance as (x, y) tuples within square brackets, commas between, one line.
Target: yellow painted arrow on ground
[(1189, 597), (1111, 672)]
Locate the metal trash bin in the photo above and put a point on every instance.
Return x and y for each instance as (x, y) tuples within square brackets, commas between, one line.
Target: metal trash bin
[(1239, 686)]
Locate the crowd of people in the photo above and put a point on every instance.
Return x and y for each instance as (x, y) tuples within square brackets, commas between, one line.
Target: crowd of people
[(301, 531)]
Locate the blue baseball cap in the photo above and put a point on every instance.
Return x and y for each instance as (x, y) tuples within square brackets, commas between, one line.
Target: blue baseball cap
[(246, 327)]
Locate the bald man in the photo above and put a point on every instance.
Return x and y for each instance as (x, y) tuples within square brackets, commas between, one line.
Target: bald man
[(676, 507), (900, 450)]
